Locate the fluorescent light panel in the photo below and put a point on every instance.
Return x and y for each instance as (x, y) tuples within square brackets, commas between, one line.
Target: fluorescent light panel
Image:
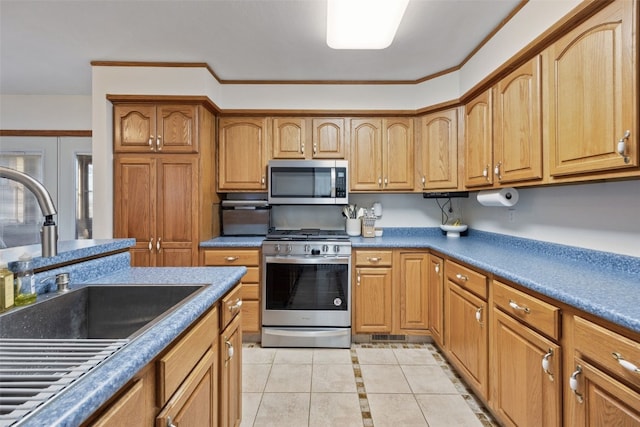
[(363, 24)]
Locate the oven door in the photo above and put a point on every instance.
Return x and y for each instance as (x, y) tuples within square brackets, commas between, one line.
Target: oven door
[(306, 291)]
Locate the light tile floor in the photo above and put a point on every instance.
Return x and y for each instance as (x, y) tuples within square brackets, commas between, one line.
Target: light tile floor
[(368, 385)]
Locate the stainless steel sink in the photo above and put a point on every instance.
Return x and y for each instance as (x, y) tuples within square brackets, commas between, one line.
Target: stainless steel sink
[(96, 311), (47, 346)]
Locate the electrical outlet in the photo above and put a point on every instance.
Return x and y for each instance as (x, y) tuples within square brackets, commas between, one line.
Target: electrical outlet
[(512, 215)]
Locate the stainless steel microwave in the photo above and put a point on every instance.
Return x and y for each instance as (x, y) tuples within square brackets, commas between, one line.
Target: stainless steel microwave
[(308, 182)]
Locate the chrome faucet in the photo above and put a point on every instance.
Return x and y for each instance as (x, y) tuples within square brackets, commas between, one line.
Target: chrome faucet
[(49, 230)]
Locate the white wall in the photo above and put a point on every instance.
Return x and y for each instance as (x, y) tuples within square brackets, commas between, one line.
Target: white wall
[(45, 112)]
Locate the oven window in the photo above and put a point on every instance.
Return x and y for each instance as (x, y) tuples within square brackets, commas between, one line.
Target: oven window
[(307, 286)]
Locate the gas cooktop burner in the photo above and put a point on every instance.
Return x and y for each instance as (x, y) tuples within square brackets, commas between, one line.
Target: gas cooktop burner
[(308, 234)]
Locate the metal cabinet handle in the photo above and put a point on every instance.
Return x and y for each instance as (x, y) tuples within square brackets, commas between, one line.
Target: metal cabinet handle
[(496, 171), (479, 315), (379, 181), (625, 363), (158, 245), (462, 277), (374, 259), (231, 258), (424, 181), (230, 350), (386, 181), (302, 148), (150, 244), (262, 180), (621, 148), (437, 268), (546, 363), (235, 306), (518, 307), (151, 142), (485, 172), (358, 278), (315, 148), (158, 143), (573, 383), (170, 422)]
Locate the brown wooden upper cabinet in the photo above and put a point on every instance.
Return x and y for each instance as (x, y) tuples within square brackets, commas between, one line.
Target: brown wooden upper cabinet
[(517, 125), (243, 154), (382, 155), (150, 127), (592, 101), (478, 141), (305, 138), (438, 151)]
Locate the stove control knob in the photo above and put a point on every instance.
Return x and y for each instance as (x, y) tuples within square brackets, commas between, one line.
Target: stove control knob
[(336, 249), (277, 248), (289, 249), (325, 248), (307, 248)]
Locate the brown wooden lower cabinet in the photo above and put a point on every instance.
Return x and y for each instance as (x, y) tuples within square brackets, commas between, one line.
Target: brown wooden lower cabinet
[(436, 299)]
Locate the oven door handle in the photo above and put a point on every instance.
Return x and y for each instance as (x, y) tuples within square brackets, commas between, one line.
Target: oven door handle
[(306, 333), (307, 260)]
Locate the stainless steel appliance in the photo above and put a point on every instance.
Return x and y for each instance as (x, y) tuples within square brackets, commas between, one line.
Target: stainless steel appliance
[(300, 182), (306, 289), (245, 217)]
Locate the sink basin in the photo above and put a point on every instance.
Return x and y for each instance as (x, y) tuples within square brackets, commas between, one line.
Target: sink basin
[(97, 311)]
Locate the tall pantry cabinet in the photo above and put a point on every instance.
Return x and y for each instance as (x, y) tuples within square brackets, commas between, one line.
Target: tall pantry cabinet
[(164, 181)]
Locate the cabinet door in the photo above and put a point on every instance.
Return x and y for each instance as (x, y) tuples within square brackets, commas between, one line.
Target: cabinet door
[(242, 157), (438, 161), (135, 206), (134, 128), (126, 410), (467, 335), (177, 126), (478, 145), (289, 136), (372, 295), (523, 394), (517, 149), (397, 154), (592, 95), (413, 285), (366, 154), (194, 403), (231, 374), (328, 138), (600, 400), (176, 242), (436, 298)]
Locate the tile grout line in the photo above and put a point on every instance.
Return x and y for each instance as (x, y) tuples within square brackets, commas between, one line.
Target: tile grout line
[(365, 410)]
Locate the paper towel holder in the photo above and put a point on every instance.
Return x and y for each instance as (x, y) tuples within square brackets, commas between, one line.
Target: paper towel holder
[(506, 197)]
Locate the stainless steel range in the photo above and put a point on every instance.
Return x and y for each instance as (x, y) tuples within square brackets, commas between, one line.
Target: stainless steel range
[(306, 289)]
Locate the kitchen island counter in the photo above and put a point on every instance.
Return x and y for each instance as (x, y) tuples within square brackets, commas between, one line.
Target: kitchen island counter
[(76, 403)]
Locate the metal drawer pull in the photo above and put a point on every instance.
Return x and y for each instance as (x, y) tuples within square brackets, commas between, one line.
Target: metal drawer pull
[(625, 363), (573, 383), (515, 306), (236, 306), (374, 259), (231, 258), (230, 350), (479, 315), (170, 422), (462, 277), (546, 363), (437, 268)]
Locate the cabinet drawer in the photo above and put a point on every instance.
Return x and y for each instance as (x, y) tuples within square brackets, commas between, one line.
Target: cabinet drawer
[(231, 305), (607, 349), (373, 258), (534, 312), (176, 364), (252, 276), (467, 278), (232, 257), (250, 291)]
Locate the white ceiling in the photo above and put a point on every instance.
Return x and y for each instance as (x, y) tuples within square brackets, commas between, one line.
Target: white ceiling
[(46, 46)]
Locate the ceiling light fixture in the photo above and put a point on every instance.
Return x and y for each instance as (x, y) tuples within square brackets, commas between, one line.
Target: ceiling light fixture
[(363, 24)]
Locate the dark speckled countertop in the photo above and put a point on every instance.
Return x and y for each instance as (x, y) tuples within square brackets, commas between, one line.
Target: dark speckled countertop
[(600, 283)]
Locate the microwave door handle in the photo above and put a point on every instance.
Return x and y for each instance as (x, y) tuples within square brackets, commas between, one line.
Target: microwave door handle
[(333, 182)]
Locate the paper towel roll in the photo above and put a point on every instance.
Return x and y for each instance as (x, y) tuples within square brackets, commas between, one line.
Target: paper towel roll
[(502, 197)]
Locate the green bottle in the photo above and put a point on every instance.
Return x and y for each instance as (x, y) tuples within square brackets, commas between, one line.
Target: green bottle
[(25, 287)]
